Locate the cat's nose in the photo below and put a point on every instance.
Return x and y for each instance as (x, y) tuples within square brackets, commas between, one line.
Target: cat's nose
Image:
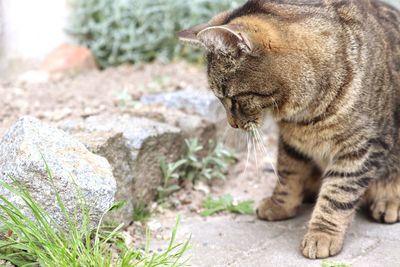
[(233, 124), (231, 120)]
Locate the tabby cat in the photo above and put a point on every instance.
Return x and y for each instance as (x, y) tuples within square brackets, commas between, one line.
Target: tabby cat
[(329, 71)]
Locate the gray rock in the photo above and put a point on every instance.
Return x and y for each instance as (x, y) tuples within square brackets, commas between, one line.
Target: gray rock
[(25, 149), (195, 126), (192, 126), (200, 102), (147, 142), (111, 145)]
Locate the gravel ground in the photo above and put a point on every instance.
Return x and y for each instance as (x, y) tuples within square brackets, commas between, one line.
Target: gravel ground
[(93, 92)]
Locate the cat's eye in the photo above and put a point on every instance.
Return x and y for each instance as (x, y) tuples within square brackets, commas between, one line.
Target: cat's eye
[(247, 107)]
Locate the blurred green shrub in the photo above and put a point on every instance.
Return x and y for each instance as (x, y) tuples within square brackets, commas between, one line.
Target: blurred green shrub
[(129, 31)]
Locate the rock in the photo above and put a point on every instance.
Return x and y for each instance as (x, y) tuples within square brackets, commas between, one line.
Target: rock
[(5, 264), (154, 225), (197, 112), (69, 59), (200, 102), (111, 145), (195, 126), (192, 126), (25, 149), (147, 142), (33, 77)]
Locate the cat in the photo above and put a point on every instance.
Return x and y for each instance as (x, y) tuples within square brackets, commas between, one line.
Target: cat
[(329, 72)]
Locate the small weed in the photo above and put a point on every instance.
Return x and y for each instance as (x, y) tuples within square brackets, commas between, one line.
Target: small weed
[(141, 213), (194, 168), (125, 101), (214, 165), (226, 203), (157, 84), (170, 173), (333, 264)]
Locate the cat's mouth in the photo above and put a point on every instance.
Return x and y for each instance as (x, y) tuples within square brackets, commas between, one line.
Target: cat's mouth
[(247, 124), (250, 126)]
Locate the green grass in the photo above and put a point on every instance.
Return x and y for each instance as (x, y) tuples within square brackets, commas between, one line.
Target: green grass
[(41, 241), (141, 212), (226, 203), (327, 263)]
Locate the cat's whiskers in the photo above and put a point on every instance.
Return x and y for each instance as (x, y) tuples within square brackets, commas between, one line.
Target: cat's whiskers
[(255, 143), (238, 140), (223, 137), (264, 150), (275, 104), (248, 153), (260, 146), (242, 140)]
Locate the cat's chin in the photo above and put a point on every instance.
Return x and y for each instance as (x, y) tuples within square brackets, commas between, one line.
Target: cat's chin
[(251, 126)]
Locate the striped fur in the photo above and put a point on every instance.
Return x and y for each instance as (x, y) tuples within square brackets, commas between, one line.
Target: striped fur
[(330, 73)]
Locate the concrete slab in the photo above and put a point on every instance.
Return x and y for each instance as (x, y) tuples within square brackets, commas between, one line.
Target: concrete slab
[(243, 241)]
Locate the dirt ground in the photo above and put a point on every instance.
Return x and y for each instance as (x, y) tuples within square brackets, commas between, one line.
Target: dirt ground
[(93, 92)]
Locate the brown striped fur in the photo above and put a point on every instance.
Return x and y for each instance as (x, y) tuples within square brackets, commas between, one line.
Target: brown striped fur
[(330, 73)]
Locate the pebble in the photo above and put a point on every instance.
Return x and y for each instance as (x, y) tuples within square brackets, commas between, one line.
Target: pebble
[(154, 225)]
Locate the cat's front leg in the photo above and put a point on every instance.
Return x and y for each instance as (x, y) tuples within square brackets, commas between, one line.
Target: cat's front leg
[(293, 169), (343, 187)]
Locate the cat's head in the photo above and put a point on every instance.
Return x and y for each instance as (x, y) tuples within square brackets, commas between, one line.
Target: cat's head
[(256, 65)]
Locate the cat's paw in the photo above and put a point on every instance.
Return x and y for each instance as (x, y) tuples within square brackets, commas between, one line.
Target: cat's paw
[(318, 245), (270, 210), (386, 211)]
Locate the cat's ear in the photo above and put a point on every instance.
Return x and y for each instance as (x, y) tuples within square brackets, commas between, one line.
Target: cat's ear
[(225, 39), (220, 39), (189, 36)]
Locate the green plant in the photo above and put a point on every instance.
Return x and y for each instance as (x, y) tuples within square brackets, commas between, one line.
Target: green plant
[(333, 264), (193, 167), (41, 241), (156, 85), (214, 165), (124, 100), (130, 31), (141, 212), (170, 174), (226, 203)]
